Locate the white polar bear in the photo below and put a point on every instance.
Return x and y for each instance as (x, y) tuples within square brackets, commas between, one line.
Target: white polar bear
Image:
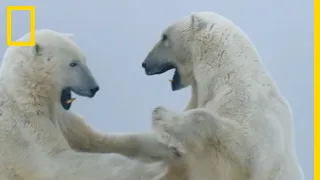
[(237, 125), (35, 84)]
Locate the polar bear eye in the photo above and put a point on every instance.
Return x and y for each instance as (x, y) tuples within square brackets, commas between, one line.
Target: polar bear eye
[(73, 64)]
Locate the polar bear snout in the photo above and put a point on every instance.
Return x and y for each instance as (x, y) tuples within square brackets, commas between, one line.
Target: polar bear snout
[(94, 90), (159, 60), (81, 81), (157, 68), (88, 92)]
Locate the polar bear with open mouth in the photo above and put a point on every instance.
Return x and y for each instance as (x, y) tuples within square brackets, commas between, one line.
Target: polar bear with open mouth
[(35, 140), (237, 125)]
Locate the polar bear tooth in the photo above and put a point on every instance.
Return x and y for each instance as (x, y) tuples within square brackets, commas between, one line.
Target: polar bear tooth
[(70, 100)]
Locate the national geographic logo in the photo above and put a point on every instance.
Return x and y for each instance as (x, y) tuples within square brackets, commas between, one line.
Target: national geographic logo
[(32, 10)]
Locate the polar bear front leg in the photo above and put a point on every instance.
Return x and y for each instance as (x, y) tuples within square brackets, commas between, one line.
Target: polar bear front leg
[(198, 128), (167, 125), (81, 137), (207, 142)]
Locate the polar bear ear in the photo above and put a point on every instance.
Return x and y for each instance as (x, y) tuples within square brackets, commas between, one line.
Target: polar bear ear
[(37, 49), (197, 23)]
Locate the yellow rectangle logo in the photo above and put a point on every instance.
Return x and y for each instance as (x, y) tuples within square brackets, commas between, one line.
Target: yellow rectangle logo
[(32, 10)]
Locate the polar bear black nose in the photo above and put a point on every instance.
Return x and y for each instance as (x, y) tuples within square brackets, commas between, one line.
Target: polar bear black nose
[(94, 90), (144, 65)]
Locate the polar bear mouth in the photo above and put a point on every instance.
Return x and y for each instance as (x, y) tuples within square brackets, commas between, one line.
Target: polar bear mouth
[(156, 70), (176, 80), (66, 98)]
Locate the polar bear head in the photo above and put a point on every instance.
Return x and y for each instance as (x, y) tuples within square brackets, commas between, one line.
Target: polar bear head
[(55, 66), (186, 44)]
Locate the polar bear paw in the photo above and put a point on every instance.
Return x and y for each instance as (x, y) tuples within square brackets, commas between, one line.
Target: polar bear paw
[(159, 113), (163, 122)]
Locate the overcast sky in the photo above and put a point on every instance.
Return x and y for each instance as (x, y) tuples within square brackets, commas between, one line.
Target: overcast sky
[(117, 35)]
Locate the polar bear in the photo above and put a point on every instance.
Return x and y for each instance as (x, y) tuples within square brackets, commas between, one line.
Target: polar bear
[(237, 125), (36, 81)]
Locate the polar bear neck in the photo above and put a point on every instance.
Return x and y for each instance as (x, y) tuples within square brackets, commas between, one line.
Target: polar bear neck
[(229, 59), (29, 87)]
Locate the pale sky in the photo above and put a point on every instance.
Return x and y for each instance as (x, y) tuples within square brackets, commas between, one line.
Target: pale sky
[(117, 35)]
